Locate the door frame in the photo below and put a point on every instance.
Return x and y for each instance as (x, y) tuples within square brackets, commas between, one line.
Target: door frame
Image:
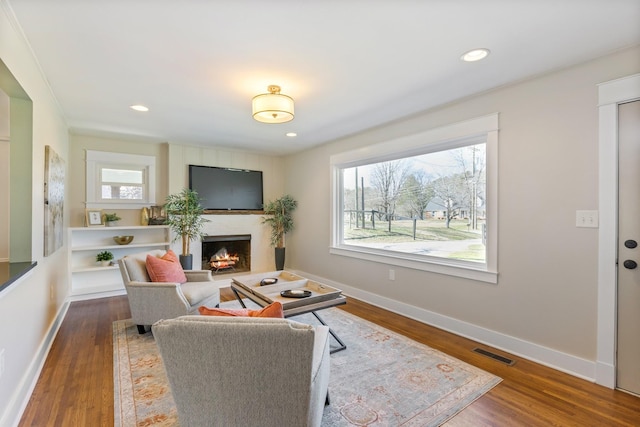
[(610, 95)]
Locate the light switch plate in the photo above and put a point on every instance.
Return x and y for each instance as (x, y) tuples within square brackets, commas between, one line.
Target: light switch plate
[(587, 219)]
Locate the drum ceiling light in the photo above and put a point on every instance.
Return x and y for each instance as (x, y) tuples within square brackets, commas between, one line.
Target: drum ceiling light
[(272, 107)]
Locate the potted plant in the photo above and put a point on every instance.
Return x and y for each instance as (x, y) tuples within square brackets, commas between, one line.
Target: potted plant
[(111, 219), (184, 218), (104, 258), (281, 222)]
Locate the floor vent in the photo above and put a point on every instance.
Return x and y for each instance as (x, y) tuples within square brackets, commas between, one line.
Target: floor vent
[(494, 356)]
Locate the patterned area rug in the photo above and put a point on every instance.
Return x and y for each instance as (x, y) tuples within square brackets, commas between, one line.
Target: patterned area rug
[(381, 379)]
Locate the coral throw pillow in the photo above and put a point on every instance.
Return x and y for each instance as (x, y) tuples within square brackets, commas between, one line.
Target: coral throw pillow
[(165, 269), (272, 310)]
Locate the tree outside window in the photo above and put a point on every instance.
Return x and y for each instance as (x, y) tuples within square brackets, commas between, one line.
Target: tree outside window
[(431, 204)]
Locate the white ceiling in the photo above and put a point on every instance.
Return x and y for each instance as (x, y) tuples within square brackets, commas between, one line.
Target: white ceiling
[(350, 65)]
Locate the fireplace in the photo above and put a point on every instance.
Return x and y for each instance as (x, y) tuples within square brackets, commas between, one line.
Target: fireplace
[(226, 254)]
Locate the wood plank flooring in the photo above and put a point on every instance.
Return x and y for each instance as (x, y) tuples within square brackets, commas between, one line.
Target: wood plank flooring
[(75, 387)]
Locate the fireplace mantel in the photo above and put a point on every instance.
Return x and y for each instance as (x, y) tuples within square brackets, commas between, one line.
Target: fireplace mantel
[(232, 212)]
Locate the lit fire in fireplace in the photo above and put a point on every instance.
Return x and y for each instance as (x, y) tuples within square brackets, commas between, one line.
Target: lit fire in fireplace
[(223, 259)]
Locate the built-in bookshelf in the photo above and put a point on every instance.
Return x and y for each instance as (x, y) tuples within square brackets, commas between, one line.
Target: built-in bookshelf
[(87, 275)]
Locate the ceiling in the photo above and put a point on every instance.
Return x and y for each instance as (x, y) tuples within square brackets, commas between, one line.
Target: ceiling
[(350, 65)]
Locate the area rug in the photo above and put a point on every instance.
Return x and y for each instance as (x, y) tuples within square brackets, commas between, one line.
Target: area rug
[(381, 379)]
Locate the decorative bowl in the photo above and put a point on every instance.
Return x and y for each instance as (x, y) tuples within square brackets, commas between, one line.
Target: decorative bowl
[(123, 240)]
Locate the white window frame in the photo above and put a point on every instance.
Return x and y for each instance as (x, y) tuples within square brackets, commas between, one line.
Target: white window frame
[(97, 160), (479, 130)]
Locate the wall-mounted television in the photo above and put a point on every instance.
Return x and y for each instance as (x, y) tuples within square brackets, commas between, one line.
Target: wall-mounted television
[(225, 189)]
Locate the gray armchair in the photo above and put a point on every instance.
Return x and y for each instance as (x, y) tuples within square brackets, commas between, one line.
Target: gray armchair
[(151, 301), (245, 371)]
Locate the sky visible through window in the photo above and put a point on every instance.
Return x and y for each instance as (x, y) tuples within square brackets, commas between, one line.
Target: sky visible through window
[(438, 163), (124, 176)]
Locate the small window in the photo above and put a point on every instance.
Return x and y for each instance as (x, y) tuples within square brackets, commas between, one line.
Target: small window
[(117, 180), (122, 184)]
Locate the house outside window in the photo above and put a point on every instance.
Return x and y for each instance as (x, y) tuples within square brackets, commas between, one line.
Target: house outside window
[(120, 183), (427, 201)]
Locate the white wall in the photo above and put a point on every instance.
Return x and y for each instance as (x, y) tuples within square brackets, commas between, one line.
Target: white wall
[(4, 115), (544, 305), (30, 309), (4, 176), (4, 200)]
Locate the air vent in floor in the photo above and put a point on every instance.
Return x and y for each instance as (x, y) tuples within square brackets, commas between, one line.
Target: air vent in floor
[(494, 356)]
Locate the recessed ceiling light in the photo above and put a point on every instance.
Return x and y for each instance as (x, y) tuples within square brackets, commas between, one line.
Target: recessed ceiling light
[(291, 134), (139, 108), (475, 55)]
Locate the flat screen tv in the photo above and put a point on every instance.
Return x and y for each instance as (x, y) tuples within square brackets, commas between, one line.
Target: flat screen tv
[(227, 188)]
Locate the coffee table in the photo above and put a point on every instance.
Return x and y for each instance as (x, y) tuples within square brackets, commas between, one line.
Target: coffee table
[(321, 296)]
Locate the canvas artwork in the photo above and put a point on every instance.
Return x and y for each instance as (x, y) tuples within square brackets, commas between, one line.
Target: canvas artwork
[(53, 200)]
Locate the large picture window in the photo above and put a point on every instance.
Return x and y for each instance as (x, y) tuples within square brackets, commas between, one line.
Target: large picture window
[(425, 201)]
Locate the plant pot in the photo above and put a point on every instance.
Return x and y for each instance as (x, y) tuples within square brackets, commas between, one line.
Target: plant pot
[(186, 261), (111, 223), (279, 258), (105, 263)]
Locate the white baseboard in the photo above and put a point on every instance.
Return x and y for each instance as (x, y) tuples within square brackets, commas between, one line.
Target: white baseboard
[(95, 295), (22, 394), (555, 359), (606, 374)]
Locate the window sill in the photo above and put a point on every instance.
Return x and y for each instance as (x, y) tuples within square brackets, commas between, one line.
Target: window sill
[(435, 265), (118, 205)]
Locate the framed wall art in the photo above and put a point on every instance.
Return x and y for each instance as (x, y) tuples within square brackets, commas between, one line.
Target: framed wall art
[(53, 200), (94, 218)]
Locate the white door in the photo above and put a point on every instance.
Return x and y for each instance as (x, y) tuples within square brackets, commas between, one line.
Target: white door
[(628, 337)]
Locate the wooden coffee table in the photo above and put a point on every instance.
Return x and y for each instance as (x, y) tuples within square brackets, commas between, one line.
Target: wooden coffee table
[(321, 296)]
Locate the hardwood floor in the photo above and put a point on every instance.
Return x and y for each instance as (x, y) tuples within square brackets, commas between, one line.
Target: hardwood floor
[(75, 387)]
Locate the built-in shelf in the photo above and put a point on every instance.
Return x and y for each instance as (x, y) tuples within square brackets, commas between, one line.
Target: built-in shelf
[(94, 269), (90, 278), (114, 247)]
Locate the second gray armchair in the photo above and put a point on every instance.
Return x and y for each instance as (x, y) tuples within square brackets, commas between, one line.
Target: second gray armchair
[(245, 371)]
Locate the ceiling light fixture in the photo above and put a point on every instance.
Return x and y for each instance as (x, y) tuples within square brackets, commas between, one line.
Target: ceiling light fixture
[(139, 107), (475, 55), (291, 134), (272, 107)]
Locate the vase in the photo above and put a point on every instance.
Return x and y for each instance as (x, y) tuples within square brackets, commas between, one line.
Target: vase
[(144, 216), (186, 261), (279, 258)]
